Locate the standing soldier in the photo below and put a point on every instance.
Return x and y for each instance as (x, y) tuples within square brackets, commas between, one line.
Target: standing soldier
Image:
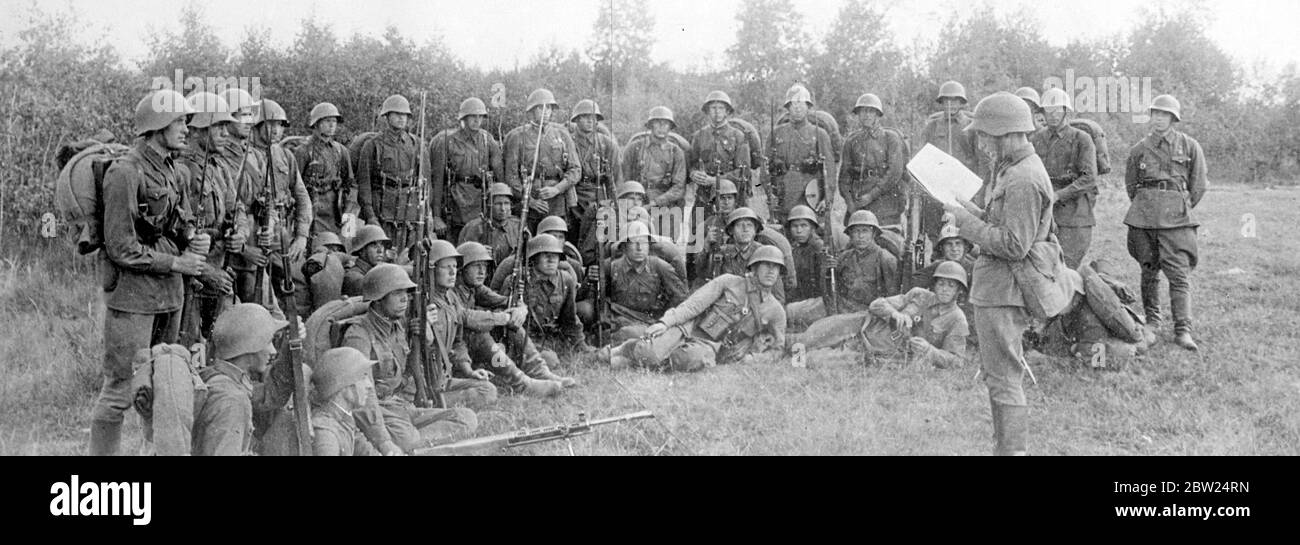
[(386, 172), (732, 319), (501, 232), (558, 168), (872, 173), (719, 152), (1031, 98), (465, 161), (796, 153), (945, 129), (639, 286), (656, 163), (145, 214), (551, 295), (1071, 161), (1165, 178), (598, 154), (327, 173)]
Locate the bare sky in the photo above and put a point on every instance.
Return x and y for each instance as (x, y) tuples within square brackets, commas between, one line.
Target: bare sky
[(690, 33)]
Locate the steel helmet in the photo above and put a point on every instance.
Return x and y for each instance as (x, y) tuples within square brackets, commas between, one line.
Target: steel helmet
[(869, 101), (862, 217), (159, 109), (322, 111), (500, 190), (552, 223), (953, 271), (271, 111), (544, 244), (1167, 103), (367, 235), (1030, 96), (243, 329), (802, 212), (325, 239), (950, 232), (1055, 97), (395, 104), (726, 187), (383, 279), (1002, 113), (635, 230), (473, 252), (799, 93), (661, 112), (471, 106), (718, 96), (767, 254), (630, 187), (540, 97), (741, 214), (239, 100), (338, 369), (951, 89), (440, 250), (586, 106), (211, 109)]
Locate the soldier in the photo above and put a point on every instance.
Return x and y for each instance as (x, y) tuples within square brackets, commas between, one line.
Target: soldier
[(1018, 214), (951, 247), (1071, 161), (557, 164), (719, 152), (639, 286), (796, 154), (864, 272), (464, 161), (485, 310), (1031, 98), (323, 273), (370, 248), (872, 172), (944, 129), (1165, 178), (327, 173), (731, 319), (552, 298), (145, 213), (342, 388), (733, 255), (382, 334), (656, 163), (598, 154), (571, 263), (809, 253), (501, 232), (386, 175)]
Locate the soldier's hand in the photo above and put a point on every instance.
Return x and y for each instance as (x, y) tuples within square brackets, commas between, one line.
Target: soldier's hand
[(517, 316), (547, 193), (656, 329), (235, 242), (715, 234), (699, 177), (865, 200), (348, 226), (188, 264), (540, 206), (218, 279), (481, 374), (439, 226), (593, 271), (264, 237), (830, 262), (918, 345), (903, 322), (200, 244), (254, 255), (967, 206), (414, 325), (391, 449), (297, 247)]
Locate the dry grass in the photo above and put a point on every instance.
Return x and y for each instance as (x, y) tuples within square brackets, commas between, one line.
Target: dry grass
[(1239, 396)]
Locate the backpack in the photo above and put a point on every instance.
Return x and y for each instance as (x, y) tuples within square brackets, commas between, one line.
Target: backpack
[(1098, 138), (753, 139), (326, 326), (79, 192), (168, 389), (354, 148), (826, 121), (640, 138)]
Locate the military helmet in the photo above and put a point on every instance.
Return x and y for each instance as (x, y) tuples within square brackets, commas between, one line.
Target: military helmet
[(552, 223), (395, 104), (1055, 97), (159, 109), (629, 187), (661, 112), (540, 97), (726, 187), (802, 212), (767, 254), (862, 217), (271, 111), (544, 244), (440, 250), (743, 213), (950, 232), (1002, 113), (1167, 103), (797, 92), (869, 101), (322, 111), (1030, 96), (586, 106), (211, 109), (499, 189), (326, 238), (635, 230), (338, 369), (245, 328), (471, 106), (383, 279), (953, 271), (239, 100), (367, 235), (951, 89), (473, 252), (718, 96)]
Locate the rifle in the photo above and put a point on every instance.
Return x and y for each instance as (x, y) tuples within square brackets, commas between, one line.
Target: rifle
[(601, 196), (264, 222), (828, 199), (526, 436), (772, 205), (913, 249), (521, 266), (485, 186), (429, 378)]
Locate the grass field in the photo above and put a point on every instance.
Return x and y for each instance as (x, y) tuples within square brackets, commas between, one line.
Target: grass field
[(1240, 395)]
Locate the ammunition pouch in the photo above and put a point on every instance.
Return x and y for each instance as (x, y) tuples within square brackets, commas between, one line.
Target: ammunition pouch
[(810, 167), (777, 167)]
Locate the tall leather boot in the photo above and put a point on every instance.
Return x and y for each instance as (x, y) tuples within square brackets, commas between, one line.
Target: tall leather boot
[(536, 367), (1013, 430), (997, 424), (105, 438), (1180, 305)]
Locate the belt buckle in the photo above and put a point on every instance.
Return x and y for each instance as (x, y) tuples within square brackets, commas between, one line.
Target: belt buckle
[(1163, 185)]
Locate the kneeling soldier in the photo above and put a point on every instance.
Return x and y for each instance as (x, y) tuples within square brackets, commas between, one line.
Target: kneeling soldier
[(551, 296), (639, 286), (242, 343), (342, 383)]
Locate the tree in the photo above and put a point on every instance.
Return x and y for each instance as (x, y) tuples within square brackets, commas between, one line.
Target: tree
[(621, 41), (195, 49), (770, 52), (988, 54), (858, 51)]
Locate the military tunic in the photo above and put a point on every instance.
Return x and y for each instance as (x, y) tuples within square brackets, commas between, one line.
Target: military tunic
[(872, 171), (660, 166), (865, 275), (463, 164), (326, 170), (558, 165), (795, 158), (501, 237), (721, 151), (386, 183), (1071, 161), (552, 308)]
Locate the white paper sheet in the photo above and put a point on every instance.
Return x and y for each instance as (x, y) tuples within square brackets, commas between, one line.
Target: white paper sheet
[(943, 176)]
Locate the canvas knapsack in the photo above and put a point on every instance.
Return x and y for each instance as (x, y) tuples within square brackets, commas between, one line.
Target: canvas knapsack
[(326, 326), (79, 192), (1098, 139)]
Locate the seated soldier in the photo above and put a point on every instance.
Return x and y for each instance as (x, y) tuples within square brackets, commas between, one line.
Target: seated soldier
[(639, 287), (951, 247), (321, 274), (342, 386), (551, 296), (370, 248), (924, 324), (556, 227), (733, 255), (863, 272), (502, 231), (808, 250), (731, 319)]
